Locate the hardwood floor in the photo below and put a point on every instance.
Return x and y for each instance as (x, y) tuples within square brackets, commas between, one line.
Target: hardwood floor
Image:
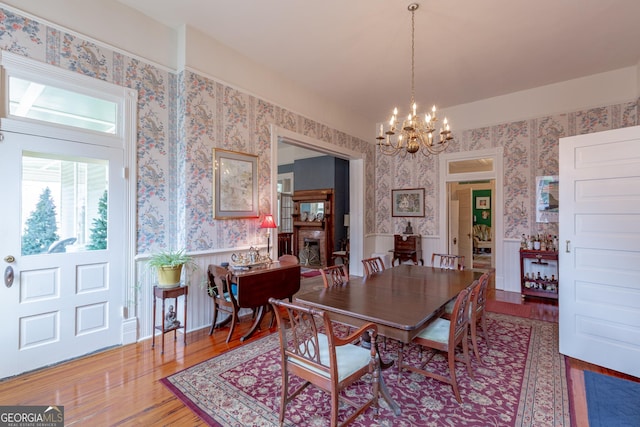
[(121, 386)]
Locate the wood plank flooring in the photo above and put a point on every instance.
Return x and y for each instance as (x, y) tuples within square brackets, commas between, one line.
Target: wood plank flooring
[(121, 386)]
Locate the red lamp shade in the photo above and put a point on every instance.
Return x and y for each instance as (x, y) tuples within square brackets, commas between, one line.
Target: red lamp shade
[(268, 222)]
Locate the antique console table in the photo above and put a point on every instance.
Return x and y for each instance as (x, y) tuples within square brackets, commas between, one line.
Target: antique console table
[(255, 287), (407, 247)]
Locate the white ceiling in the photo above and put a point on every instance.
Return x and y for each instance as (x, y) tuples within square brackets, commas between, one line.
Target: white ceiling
[(357, 52)]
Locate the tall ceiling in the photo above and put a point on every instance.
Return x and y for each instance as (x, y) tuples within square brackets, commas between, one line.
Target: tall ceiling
[(357, 52)]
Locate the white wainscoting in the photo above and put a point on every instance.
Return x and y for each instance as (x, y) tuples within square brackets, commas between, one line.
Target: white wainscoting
[(199, 305), (511, 265)]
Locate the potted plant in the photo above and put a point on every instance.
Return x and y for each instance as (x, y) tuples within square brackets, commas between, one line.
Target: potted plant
[(169, 265)]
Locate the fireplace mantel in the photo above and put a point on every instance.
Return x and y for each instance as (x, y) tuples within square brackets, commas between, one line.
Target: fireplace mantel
[(313, 219)]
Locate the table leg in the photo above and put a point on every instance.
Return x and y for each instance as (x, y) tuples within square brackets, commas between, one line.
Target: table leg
[(184, 327), (387, 396), (256, 323), (162, 325), (175, 331), (366, 343), (153, 339)]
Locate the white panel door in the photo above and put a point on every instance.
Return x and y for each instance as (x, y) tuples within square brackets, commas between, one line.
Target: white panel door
[(454, 227), (599, 293), (466, 226), (66, 298)]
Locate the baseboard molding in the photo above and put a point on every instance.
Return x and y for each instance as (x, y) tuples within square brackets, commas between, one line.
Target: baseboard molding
[(129, 330)]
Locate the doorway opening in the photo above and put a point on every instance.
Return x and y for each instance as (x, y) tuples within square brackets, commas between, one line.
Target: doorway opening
[(355, 180), (461, 175), (471, 222)]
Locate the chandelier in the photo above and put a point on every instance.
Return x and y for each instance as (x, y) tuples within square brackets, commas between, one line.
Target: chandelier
[(417, 131)]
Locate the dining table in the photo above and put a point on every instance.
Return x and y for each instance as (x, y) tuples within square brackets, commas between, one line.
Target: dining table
[(401, 301)]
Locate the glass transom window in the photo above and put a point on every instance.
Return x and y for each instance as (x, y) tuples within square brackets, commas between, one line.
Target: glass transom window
[(51, 104)]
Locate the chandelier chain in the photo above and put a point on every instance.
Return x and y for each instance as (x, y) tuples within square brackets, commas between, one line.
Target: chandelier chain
[(413, 54)]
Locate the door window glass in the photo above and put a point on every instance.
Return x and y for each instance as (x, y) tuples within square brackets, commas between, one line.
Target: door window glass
[(64, 204)]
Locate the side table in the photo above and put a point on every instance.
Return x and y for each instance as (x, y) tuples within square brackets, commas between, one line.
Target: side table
[(164, 293)]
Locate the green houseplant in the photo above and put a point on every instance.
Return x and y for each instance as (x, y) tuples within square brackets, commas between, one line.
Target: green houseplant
[(169, 266)]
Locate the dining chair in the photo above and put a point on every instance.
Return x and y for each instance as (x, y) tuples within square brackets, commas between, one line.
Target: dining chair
[(477, 314), (220, 290), (325, 360), (287, 258), (444, 336), (372, 265), (447, 261), (477, 302), (335, 275)]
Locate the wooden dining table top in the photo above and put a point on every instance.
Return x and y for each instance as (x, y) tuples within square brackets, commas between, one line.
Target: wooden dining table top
[(401, 300)]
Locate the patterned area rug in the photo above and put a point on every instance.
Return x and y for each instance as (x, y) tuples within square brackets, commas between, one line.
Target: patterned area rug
[(520, 382)]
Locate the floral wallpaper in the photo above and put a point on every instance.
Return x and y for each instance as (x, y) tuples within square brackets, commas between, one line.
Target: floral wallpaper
[(183, 116)]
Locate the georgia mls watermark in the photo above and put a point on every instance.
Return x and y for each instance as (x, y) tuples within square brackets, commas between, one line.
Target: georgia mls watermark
[(31, 416)]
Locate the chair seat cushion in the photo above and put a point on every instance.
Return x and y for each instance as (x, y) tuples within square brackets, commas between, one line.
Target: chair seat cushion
[(349, 357), (437, 331), (449, 307)]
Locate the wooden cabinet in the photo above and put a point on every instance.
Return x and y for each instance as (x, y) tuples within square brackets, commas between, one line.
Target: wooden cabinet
[(539, 273), (407, 247)]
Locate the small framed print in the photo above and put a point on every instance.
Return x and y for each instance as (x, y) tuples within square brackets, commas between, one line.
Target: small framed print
[(483, 202), (235, 186), (407, 202), (547, 198)]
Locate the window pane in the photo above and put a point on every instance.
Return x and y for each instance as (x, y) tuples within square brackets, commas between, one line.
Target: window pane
[(64, 204), (54, 105)]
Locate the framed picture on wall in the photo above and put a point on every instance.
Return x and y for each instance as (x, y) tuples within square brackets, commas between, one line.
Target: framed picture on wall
[(547, 198), (483, 202), (407, 202), (235, 185)]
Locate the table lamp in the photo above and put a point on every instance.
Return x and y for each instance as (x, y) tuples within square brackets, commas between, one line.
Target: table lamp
[(268, 223)]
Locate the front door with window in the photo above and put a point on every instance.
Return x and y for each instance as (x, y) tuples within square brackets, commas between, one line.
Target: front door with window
[(61, 201)]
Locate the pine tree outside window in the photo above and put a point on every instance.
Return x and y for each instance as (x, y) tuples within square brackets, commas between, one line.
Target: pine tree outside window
[(64, 204)]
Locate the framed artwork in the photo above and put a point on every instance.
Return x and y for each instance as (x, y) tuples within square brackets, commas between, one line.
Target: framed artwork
[(547, 198), (407, 202), (483, 202), (235, 185)]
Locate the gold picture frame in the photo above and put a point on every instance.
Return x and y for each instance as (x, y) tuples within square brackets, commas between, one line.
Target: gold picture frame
[(407, 202), (235, 185)]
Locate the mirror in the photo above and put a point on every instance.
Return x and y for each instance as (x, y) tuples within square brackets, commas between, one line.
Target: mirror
[(311, 211)]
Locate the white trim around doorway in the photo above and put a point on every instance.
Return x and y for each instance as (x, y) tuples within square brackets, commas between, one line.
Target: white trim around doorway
[(496, 154), (356, 184)]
